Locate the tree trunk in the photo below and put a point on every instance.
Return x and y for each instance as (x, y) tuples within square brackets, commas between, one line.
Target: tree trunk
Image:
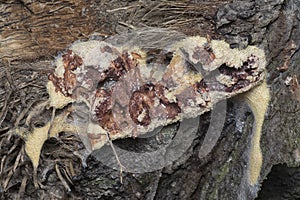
[(33, 33)]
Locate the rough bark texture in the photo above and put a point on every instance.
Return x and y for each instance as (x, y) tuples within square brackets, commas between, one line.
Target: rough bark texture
[(32, 33)]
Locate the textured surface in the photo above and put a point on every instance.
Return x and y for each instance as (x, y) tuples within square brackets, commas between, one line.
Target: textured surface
[(196, 76)]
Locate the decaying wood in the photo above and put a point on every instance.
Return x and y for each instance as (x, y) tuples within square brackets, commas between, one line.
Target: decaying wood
[(31, 30)]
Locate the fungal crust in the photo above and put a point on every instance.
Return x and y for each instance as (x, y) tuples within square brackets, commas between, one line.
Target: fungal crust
[(127, 92), (258, 99)]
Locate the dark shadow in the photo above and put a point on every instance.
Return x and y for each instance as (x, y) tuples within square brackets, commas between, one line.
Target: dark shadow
[(282, 182)]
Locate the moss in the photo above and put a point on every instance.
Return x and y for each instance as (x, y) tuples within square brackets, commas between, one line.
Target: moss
[(223, 172)]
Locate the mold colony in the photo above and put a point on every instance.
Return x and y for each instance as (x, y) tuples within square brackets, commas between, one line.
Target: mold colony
[(127, 97), (128, 91)]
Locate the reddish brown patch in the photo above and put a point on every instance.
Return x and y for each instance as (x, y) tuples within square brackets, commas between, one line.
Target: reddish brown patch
[(160, 93), (67, 84), (142, 104), (71, 61), (118, 68), (57, 82), (104, 113), (200, 87), (239, 77), (172, 110), (136, 55)]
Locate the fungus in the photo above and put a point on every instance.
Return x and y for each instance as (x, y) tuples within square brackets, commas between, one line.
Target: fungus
[(128, 92)]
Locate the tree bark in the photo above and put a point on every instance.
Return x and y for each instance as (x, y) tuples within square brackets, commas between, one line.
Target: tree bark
[(32, 34)]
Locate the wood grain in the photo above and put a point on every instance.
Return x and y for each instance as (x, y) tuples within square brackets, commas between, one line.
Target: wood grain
[(31, 30)]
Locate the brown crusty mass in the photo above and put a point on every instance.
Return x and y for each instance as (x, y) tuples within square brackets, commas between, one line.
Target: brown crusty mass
[(130, 91)]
